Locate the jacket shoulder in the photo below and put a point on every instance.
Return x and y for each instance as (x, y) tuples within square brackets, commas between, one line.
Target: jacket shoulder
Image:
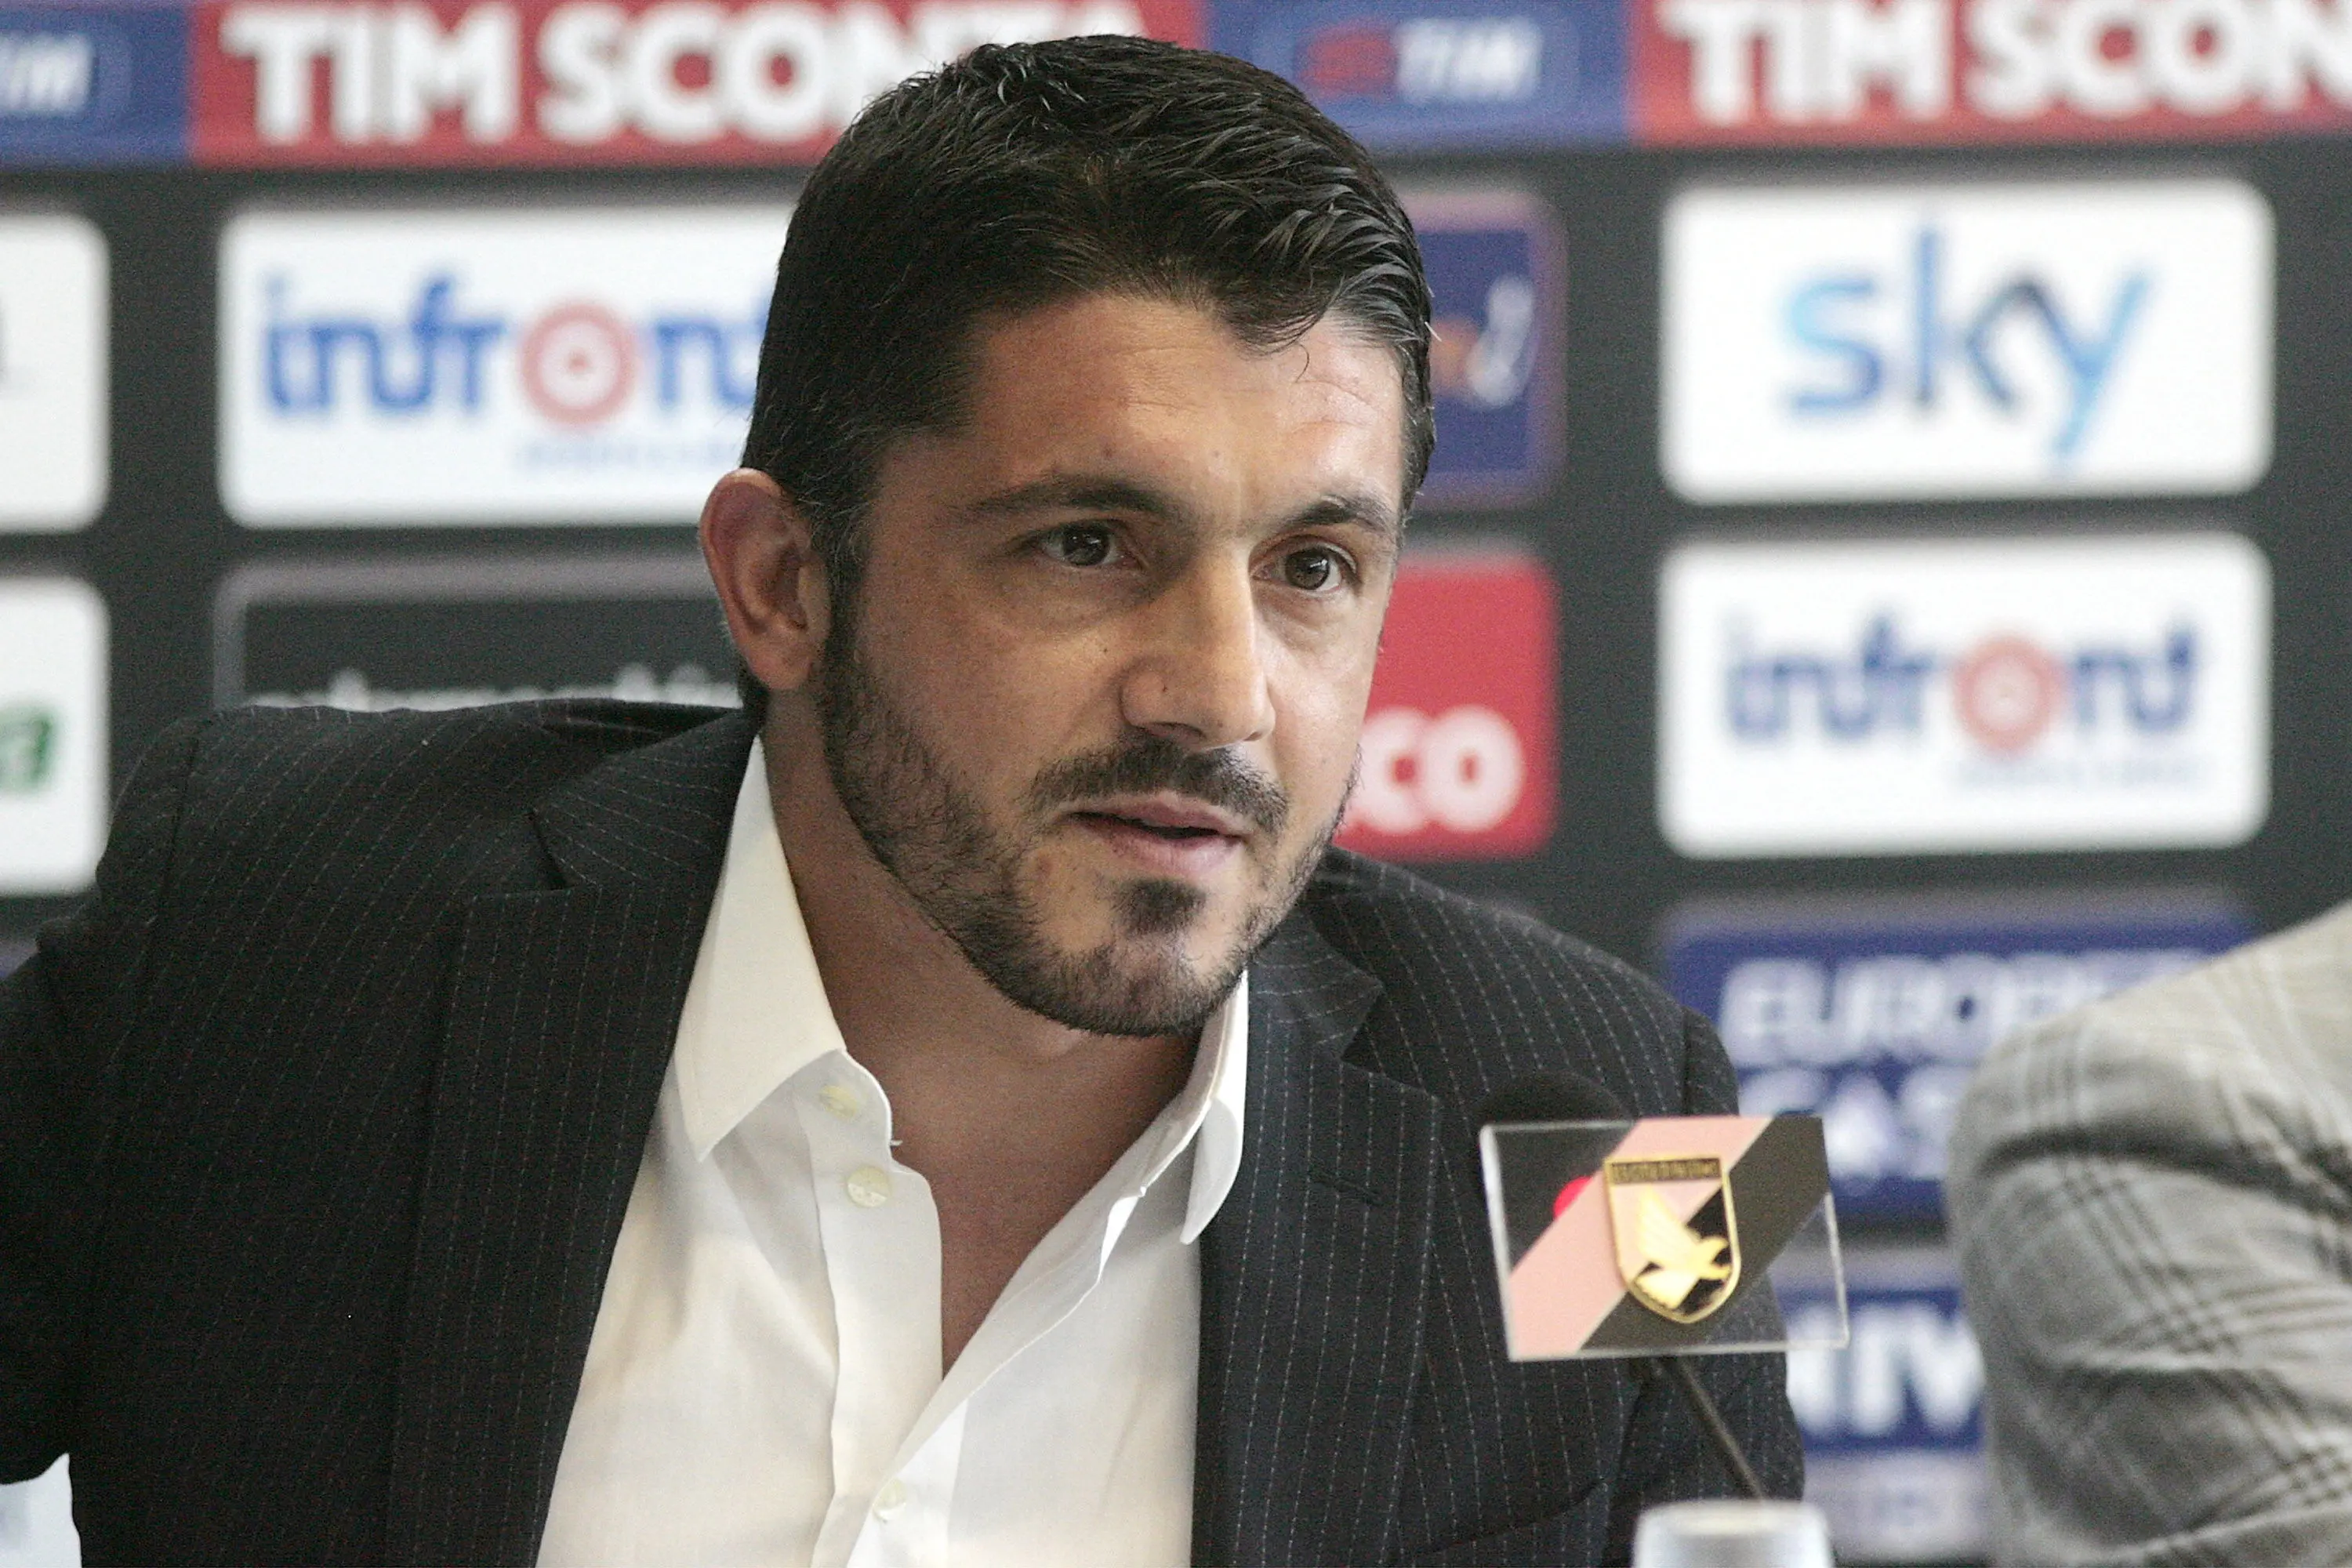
[(339, 798), (2245, 1051), (1474, 998)]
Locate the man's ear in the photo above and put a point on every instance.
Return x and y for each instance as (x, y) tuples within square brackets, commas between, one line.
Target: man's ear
[(762, 557)]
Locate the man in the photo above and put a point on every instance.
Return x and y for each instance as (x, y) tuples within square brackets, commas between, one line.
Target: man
[(978, 1121), (2152, 1199)]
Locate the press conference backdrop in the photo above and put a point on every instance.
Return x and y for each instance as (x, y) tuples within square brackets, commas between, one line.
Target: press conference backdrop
[(1882, 568)]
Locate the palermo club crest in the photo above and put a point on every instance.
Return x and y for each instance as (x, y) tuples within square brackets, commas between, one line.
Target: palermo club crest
[(1677, 1240)]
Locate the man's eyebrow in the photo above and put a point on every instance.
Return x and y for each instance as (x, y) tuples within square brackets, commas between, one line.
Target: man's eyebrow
[(1356, 506), (1099, 492), (1078, 492)]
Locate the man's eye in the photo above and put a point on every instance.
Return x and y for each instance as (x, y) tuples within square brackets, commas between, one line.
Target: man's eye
[(1081, 545), (1311, 571)]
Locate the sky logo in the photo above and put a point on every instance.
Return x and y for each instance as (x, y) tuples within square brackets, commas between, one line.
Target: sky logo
[(1835, 317), (1957, 696), (1838, 343), (2008, 692), (553, 365)]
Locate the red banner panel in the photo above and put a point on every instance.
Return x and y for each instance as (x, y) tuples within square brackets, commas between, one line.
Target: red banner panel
[(1889, 71), (538, 83), (1458, 753)]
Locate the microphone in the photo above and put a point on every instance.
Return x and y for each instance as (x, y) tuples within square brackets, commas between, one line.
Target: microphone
[(1571, 1097), (1552, 1097)]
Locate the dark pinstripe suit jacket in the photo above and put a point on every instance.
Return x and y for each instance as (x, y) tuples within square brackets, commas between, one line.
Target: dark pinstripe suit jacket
[(318, 1121)]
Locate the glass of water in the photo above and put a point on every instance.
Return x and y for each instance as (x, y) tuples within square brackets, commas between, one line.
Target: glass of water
[(1726, 1534)]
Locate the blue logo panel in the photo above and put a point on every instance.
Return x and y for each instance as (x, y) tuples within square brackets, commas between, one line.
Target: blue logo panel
[(1415, 75), (1873, 1014), (93, 84), (1496, 275), (1894, 1423)]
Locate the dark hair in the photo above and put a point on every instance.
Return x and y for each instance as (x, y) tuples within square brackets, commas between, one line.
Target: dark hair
[(1025, 174)]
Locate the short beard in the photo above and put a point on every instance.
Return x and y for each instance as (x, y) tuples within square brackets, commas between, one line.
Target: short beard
[(964, 876)]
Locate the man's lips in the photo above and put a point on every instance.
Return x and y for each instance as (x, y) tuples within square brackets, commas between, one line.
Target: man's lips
[(1170, 834)]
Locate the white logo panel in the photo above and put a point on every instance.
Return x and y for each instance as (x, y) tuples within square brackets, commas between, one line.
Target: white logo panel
[(1889, 698), (52, 735), (52, 372), (556, 366), (1864, 343)]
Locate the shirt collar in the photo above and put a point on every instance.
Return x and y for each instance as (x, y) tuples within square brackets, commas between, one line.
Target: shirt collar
[(755, 1011), (756, 1014)]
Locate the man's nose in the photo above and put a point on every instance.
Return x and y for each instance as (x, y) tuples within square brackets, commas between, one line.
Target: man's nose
[(1198, 678)]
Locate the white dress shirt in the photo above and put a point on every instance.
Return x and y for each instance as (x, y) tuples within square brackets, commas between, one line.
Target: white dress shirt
[(763, 1385)]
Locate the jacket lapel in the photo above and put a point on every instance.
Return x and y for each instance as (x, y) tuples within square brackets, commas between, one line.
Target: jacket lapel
[(563, 1010), (1313, 1280)]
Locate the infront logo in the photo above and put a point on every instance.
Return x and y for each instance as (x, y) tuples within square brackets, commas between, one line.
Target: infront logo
[(577, 363), (1456, 757), (559, 365), (1966, 340), (2006, 691), (1963, 695)]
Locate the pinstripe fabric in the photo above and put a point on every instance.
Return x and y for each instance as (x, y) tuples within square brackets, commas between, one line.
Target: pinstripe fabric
[(317, 1126), (2152, 1199)]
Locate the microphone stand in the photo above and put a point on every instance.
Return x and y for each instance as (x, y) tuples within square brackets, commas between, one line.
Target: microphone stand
[(1711, 1420)]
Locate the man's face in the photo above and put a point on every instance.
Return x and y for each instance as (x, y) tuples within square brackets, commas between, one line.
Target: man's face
[(1097, 705)]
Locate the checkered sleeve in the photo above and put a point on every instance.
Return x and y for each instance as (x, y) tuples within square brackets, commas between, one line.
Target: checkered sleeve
[(2152, 1202)]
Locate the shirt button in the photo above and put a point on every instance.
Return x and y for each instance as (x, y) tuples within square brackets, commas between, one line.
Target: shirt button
[(890, 1498), (841, 1099), (869, 1187)]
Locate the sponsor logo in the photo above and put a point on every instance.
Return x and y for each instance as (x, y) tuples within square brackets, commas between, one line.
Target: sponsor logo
[(53, 742), (1455, 762), (1976, 70), (373, 636), (1856, 343), (1430, 73), (556, 82), (1958, 696), (92, 83), (579, 365), (1872, 1014), (1894, 1423), (52, 372), (1495, 264)]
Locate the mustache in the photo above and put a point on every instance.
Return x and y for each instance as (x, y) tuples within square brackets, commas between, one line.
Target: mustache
[(1144, 764)]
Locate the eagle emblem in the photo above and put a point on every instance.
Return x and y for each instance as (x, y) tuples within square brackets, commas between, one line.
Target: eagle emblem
[(1678, 1241)]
